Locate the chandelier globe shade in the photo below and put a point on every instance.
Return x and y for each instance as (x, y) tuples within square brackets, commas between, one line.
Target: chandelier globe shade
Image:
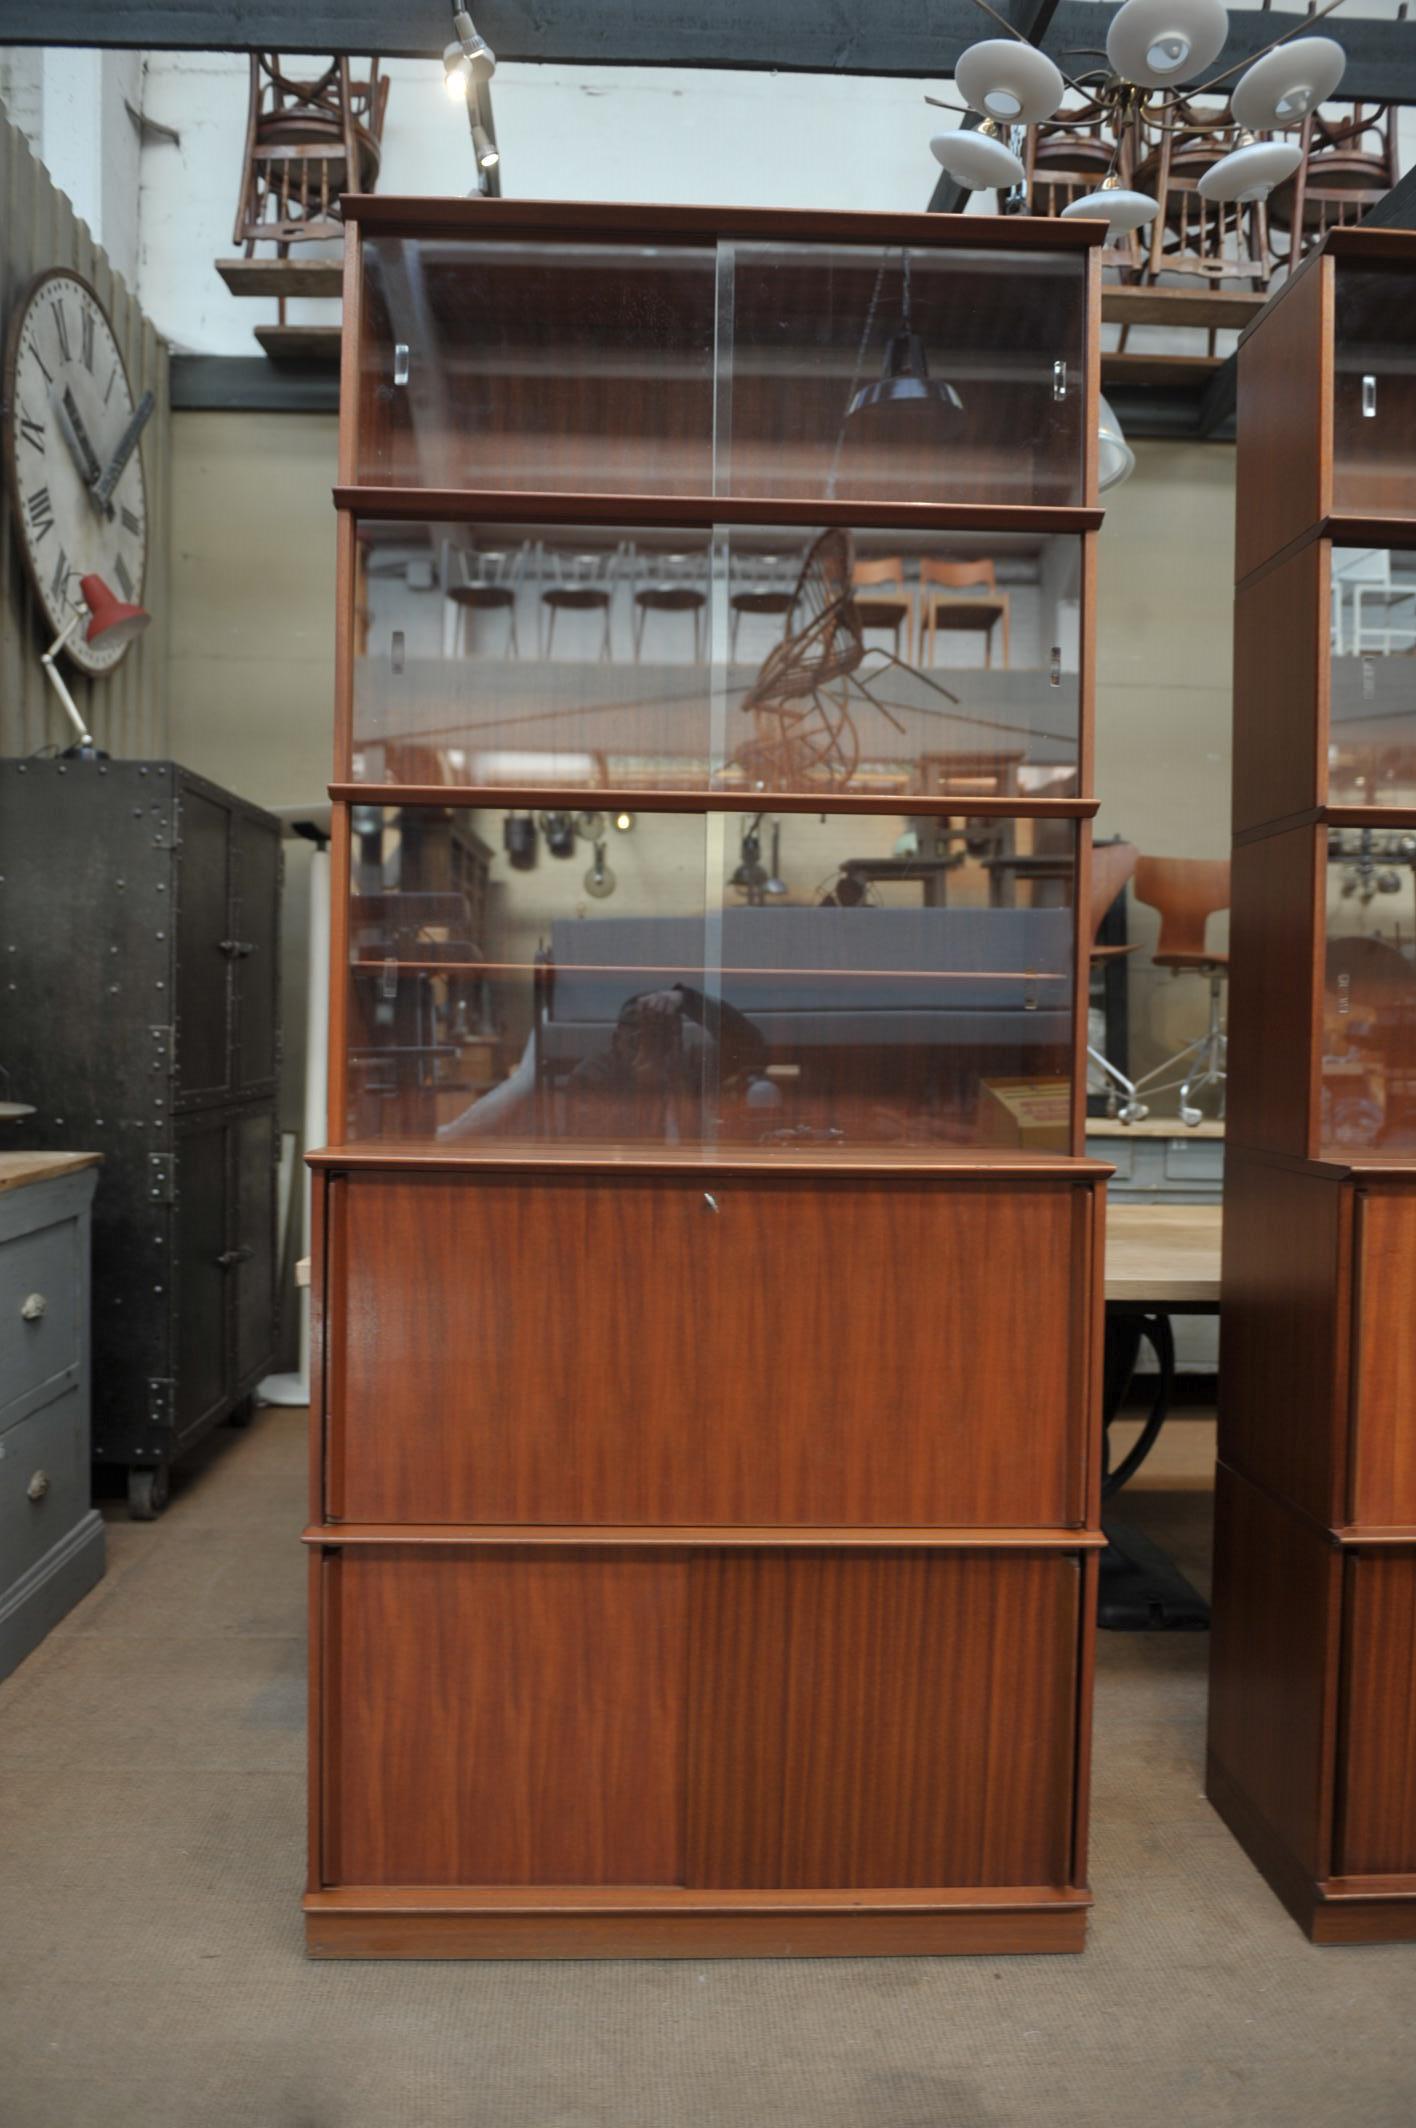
[(1285, 85), (1004, 79), (1159, 42), (1116, 460), (1250, 174), (1124, 210), (978, 160)]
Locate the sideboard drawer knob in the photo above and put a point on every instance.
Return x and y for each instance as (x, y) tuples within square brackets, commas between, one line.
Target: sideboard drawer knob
[(33, 1307), (38, 1485)]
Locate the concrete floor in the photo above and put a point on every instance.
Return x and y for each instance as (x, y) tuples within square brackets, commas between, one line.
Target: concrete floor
[(152, 1774)]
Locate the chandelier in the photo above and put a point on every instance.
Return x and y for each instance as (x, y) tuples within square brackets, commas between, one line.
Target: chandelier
[(1152, 46)]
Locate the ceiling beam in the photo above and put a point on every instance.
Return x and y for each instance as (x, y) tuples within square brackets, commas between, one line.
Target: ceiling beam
[(1397, 210), (887, 37)]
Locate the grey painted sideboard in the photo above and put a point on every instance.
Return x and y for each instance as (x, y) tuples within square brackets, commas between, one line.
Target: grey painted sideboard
[(51, 1536)]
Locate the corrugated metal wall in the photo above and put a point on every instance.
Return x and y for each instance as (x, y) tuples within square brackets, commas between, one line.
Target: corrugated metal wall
[(127, 711)]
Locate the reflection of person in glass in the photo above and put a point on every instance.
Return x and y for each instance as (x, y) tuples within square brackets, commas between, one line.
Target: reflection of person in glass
[(672, 1052)]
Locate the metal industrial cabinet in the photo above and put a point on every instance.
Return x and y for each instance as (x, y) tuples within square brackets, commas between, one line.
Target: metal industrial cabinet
[(139, 937)]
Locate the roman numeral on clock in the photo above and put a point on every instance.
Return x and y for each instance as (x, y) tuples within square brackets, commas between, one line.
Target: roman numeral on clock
[(86, 340), (61, 326), (131, 520), (120, 570), (60, 577), (41, 513), (31, 430)]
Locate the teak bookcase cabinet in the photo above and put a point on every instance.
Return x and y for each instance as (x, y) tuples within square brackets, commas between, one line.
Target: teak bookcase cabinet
[(1312, 1753), (705, 1447)]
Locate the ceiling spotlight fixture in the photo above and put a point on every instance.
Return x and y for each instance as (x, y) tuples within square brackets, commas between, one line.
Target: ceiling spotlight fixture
[(1159, 42), (487, 152), (1113, 203), (904, 372), (471, 41), (1116, 461), (624, 822), (457, 73), (1006, 78), (978, 159), (1250, 173), (1286, 84)]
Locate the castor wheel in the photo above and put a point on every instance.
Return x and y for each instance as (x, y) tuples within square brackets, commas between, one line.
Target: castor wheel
[(147, 1493), (242, 1414)]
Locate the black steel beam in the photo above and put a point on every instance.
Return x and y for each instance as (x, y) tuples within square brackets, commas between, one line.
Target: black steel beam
[(251, 384), (1398, 209), (893, 37)]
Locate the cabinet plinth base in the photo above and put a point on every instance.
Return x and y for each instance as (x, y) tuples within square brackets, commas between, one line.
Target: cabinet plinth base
[(380, 1924), (1333, 1910)]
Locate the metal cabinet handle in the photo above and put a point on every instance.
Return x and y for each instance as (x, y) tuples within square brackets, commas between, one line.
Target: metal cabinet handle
[(236, 949), (228, 1257), (33, 1307), (38, 1485), (711, 1201)]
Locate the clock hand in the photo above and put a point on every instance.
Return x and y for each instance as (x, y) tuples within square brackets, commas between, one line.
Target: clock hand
[(71, 423), (127, 444)]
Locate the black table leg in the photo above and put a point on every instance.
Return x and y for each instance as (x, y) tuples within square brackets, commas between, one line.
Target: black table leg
[(1141, 1591)]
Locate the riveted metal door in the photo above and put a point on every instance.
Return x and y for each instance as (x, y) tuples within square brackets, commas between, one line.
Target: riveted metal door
[(203, 948), (254, 1149), (201, 1270), (255, 962)]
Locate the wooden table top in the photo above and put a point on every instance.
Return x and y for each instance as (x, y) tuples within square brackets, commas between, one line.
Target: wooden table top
[(1152, 1127), (1161, 1253), (16, 1169)]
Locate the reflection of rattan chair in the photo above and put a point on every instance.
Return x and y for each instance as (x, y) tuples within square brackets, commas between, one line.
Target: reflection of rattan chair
[(1187, 891), (882, 607), (306, 142), (971, 604)]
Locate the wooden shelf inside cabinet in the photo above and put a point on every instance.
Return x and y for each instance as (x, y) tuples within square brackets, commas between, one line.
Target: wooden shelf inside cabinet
[(662, 1337), (1315, 1569)]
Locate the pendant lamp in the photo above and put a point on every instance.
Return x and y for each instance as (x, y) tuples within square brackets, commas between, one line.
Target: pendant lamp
[(904, 374), (1157, 42), (1250, 173), (979, 159), (1122, 209), (1285, 85), (1004, 78)]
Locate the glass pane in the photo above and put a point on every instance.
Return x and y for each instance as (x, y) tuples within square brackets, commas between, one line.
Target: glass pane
[(921, 376), (792, 660), (686, 980), (1369, 1019), (581, 367), (1374, 426), (1372, 735)]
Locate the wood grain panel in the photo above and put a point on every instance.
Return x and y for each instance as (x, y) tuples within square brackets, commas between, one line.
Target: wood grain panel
[(1376, 1825), (885, 1719), (1281, 628), (1273, 1654), (1285, 419), (1282, 1418), (1275, 989), (504, 1718), (1383, 1450), (536, 1350)]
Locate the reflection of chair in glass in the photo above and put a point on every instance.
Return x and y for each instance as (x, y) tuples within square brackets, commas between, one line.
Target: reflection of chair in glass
[(483, 581), (970, 604), (582, 582), (1113, 865), (1187, 891), (1373, 611), (881, 607), (307, 141), (678, 587), (804, 735), (768, 587)]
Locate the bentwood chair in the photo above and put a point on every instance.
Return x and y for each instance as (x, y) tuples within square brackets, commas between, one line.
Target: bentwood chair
[(970, 603), (580, 582), (677, 586), (1186, 892)]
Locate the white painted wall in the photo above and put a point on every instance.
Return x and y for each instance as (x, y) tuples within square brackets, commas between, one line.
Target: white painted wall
[(73, 108)]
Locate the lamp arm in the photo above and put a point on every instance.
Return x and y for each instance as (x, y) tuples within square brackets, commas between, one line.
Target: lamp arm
[(56, 679)]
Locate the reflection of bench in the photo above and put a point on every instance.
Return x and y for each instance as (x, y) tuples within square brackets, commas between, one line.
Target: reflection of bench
[(819, 979)]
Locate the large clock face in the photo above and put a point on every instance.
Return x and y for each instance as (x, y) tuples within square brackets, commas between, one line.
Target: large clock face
[(68, 407)]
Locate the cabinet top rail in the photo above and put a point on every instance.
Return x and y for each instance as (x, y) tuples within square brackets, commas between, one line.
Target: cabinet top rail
[(585, 221)]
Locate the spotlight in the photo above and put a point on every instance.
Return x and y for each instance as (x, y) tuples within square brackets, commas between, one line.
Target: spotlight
[(457, 73), (473, 43), (624, 822), (487, 152)]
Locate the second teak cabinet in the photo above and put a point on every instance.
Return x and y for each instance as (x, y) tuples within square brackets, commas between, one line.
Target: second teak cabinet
[(705, 1446)]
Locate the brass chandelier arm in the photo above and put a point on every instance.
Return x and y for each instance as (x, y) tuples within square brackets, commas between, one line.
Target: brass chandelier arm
[(1018, 37)]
